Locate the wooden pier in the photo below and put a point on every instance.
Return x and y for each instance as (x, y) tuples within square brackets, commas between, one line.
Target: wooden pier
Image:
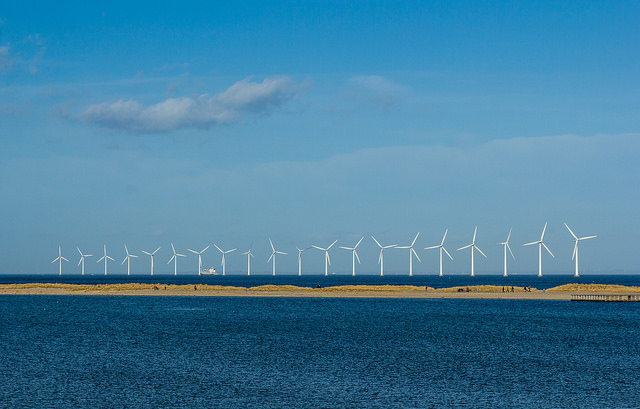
[(606, 297)]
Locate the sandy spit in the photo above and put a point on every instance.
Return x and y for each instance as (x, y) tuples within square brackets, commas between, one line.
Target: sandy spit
[(347, 291)]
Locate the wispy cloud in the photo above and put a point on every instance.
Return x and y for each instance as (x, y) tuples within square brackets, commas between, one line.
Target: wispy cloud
[(241, 99), (5, 61), (376, 90)]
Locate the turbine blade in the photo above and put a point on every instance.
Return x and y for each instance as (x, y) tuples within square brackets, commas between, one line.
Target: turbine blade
[(588, 237), (465, 247), (148, 254), (570, 231), (193, 251), (532, 243), (319, 248), (219, 249), (328, 258), (359, 241), (204, 249), (478, 248), (545, 246), (445, 250), (444, 237), (514, 257), (416, 254), (474, 235), (125, 259), (332, 244), (432, 247), (272, 248), (173, 248), (509, 235), (575, 248), (271, 256), (414, 240), (357, 258), (156, 251), (110, 258), (374, 239), (543, 230)]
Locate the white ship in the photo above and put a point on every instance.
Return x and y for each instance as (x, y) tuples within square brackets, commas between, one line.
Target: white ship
[(208, 272)]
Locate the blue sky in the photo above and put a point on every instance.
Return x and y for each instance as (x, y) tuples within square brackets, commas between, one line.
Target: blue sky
[(306, 122)]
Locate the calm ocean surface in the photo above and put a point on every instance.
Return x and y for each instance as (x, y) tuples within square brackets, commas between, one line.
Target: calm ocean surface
[(207, 352)]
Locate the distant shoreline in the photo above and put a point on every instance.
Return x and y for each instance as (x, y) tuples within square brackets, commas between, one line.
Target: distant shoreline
[(562, 292)]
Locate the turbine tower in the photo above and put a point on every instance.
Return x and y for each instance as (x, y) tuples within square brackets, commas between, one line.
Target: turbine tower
[(105, 258), (412, 252), (273, 256), (224, 253), (151, 255), (82, 257), (174, 258), (506, 246), (59, 259), (354, 256), (199, 253), (441, 247), (327, 261), (249, 255), (381, 258), (540, 244), (473, 247), (300, 251), (128, 259), (575, 248)]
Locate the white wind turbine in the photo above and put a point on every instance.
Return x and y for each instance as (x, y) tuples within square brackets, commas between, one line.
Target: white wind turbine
[(354, 255), (300, 251), (473, 247), (327, 261), (224, 253), (128, 259), (151, 255), (273, 256), (412, 252), (105, 258), (199, 253), (59, 259), (575, 248), (540, 245), (381, 258), (506, 246), (174, 258), (441, 247), (82, 257), (249, 255)]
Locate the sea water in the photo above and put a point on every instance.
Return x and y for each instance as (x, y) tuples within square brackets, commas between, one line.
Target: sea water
[(202, 352), (312, 280)]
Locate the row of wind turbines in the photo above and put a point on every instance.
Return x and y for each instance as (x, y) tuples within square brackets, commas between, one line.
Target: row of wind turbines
[(272, 258)]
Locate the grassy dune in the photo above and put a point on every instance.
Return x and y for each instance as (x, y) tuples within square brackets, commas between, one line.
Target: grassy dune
[(607, 288)]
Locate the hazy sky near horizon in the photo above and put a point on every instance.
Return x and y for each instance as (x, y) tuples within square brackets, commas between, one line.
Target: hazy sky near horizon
[(235, 122)]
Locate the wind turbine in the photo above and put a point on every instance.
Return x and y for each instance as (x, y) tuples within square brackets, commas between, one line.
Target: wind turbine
[(300, 251), (575, 248), (81, 261), (354, 256), (151, 255), (381, 258), (199, 253), (105, 258), (540, 244), (174, 258), (327, 261), (273, 256), (59, 259), (506, 246), (128, 259), (412, 252), (224, 253), (249, 255), (473, 247), (441, 247)]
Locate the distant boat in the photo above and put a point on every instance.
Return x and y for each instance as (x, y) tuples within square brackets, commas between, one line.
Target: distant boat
[(208, 272)]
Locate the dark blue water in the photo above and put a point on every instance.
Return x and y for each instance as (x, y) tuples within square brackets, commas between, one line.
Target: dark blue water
[(540, 283), (89, 351)]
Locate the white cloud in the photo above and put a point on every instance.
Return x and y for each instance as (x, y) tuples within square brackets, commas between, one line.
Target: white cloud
[(376, 90), (242, 98)]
